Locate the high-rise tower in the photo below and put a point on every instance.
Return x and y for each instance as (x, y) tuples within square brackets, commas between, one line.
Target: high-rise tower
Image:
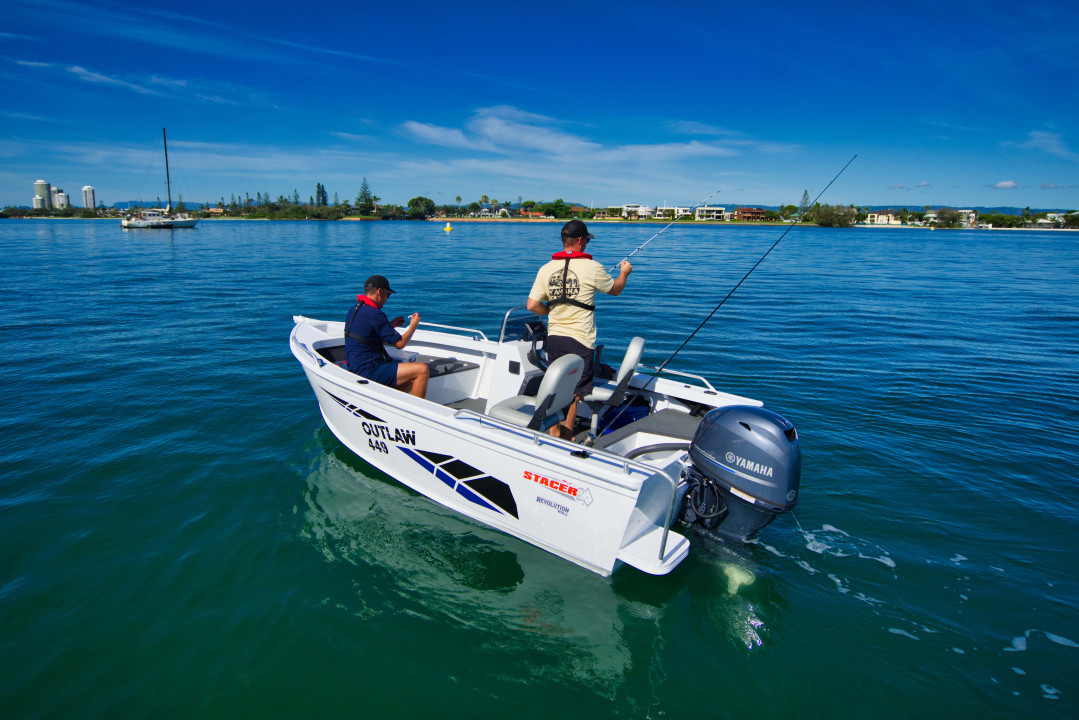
[(42, 195)]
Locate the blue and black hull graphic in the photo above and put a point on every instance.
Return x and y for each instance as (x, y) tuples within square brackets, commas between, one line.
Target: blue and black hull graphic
[(358, 412), (468, 482)]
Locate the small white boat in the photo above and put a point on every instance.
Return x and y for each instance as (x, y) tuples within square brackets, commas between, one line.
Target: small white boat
[(658, 448), (160, 218)]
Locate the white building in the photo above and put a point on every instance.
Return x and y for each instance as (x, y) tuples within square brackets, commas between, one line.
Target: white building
[(42, 195), (88, 199), (882, 219), (664, 211), (967, 218), (638, 211), (59, 199), (711, 212)]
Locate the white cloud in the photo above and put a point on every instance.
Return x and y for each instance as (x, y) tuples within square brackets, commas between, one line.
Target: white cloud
[(512, 132), (692, 127), (97, 78), (352, 137), (168, 82), (513, 135), (444, 137), (538, 154), (23, 116), (1006, 185), (1049, 142)]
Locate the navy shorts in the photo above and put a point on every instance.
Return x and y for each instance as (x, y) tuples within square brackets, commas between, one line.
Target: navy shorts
[(385, 374), (559, 345)]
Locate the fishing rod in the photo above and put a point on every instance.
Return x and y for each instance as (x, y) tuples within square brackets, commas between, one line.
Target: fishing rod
[(717, 307), (662, 230)]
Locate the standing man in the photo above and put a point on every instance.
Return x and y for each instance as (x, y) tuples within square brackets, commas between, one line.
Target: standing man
[(568, 284), (368, 330)]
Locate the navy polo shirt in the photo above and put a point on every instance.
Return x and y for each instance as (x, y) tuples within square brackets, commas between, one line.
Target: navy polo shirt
[(371, 323)]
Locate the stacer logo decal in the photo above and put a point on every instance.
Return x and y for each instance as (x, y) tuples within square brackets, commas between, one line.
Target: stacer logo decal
[(581, 495)]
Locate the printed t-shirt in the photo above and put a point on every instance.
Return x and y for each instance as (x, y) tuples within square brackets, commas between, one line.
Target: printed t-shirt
[(584, 278)]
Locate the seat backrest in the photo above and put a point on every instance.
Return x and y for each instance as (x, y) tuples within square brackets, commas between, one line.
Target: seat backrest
[(631, 360), (560, 381)]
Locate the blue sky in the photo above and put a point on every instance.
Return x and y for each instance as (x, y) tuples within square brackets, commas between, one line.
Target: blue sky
[(956, 103)]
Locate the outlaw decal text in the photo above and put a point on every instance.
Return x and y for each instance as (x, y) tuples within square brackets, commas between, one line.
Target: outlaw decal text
[(385, 432)]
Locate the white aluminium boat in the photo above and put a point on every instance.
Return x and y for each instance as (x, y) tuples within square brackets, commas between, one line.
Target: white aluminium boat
[(658, 448)]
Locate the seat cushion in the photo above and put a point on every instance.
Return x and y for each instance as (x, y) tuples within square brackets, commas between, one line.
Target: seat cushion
[(517, 410)]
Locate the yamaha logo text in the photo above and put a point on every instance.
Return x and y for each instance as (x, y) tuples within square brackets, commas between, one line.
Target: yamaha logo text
[(749, 465)]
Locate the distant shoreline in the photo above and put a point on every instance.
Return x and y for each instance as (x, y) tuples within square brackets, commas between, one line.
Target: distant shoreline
[(552, 221)]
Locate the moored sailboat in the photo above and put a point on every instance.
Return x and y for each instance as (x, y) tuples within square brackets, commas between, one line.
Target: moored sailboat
[(160, 218)]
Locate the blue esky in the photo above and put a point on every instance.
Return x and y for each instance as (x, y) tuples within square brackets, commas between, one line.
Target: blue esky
[(945, 103)]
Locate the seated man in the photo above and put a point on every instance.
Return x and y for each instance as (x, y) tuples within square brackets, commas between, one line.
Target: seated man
[(367, 330)]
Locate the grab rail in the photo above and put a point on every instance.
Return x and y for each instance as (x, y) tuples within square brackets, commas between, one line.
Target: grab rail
[(540, 439), (506, 321), (476, 334), (704, 380), (670, 513)]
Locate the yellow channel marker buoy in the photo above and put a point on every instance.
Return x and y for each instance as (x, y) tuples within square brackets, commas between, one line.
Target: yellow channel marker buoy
[(448, 228)]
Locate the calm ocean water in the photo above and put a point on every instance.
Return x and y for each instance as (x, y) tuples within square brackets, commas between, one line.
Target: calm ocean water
[(181, 536)]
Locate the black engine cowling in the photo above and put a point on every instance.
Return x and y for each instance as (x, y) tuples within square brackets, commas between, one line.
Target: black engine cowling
[(746, 466)]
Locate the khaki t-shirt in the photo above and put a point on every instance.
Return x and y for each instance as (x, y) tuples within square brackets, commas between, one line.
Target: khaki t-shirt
[(584, 278)]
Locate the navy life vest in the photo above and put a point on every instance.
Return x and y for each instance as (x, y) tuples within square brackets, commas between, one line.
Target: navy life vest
[(373, 344)]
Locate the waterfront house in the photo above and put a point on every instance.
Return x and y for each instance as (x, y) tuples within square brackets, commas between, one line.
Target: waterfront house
[(711, 212), (750, 214), (671, 213), (878, 218), (636, 211)]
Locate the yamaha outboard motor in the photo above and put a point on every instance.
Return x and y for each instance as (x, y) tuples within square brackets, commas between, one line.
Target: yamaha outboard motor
[(746, 465)]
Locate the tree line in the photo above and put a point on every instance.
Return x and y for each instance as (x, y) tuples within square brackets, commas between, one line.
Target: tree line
[(367, 204)]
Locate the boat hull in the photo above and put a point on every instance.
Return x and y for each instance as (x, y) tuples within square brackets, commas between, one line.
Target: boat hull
[(526, 485), (135, 224), (157, 219)]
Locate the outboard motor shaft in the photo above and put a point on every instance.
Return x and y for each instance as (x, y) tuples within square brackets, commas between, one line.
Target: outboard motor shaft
[(746, 466)]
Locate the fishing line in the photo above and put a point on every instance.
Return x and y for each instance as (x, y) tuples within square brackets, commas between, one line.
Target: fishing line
[(717, 307), (664, 228)]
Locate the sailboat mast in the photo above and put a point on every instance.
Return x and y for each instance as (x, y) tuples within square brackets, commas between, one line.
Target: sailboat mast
[(168, 183)]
